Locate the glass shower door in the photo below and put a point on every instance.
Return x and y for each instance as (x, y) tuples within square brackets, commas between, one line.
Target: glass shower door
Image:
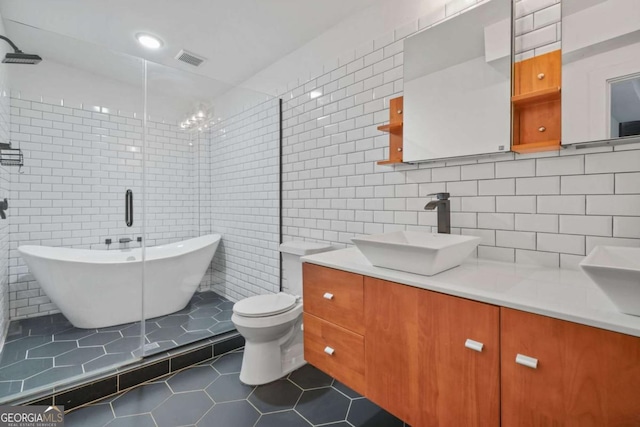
[(177, 194), (212, 201), (72, 294)]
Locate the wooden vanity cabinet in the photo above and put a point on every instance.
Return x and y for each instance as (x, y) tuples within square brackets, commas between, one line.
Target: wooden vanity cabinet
[(405, 348), (584, 376), (333, 323), (392, 348), (417, 364), (433, 359)]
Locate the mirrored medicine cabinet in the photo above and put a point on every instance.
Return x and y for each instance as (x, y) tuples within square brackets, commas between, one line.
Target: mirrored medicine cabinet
[(473, 87), (457, 85), (600, 70)]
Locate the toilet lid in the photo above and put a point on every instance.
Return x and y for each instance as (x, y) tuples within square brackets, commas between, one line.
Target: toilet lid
[(264, 305)]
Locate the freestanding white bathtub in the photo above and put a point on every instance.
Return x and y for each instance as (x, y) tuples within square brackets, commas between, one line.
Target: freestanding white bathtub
[(97, 288)]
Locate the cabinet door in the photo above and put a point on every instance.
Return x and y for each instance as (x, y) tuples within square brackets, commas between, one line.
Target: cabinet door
[(584, 376), (459, 362), (392, 347), (417, 366)]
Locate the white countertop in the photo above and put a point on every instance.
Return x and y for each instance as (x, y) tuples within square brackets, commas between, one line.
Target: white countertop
[(562, 294)]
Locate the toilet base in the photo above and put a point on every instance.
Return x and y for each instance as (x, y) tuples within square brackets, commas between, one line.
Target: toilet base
[(263, 363), (274, 346)]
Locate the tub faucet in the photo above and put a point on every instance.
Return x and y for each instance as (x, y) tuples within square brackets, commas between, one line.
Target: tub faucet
[(444, 211), (124, 240)]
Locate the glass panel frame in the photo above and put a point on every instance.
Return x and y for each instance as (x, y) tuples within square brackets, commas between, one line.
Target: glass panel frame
[(80, 130)]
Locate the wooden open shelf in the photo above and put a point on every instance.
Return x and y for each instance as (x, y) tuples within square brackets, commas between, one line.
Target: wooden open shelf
[(536, 104), (535, 147), (388, 162), (394, 128), (390, 128), (544, 95)]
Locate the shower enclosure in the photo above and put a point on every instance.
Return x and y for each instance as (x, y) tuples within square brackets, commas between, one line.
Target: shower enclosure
[(127, 164)]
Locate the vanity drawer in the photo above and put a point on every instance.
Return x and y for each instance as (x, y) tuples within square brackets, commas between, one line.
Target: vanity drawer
[(334, 295), (538, 73), (335, 351)]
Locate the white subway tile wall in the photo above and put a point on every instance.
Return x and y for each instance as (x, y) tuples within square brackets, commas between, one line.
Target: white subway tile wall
[(537, 27), (78, 165), (244, 203), (546, 209)]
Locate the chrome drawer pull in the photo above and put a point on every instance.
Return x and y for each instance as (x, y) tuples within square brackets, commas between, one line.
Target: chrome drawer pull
[(329, 351), (328, 296), (474, 345), (527, 361)]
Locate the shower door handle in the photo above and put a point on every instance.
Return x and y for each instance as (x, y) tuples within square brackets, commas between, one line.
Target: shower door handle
[(128, 209)]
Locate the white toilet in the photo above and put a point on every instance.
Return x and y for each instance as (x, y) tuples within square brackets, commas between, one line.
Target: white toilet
[(272, 324)]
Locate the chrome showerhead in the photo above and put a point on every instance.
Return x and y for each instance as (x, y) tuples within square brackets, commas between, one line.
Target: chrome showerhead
[(18, 56)]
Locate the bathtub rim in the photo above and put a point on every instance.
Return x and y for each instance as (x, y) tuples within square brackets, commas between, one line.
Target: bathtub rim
[(117, 256)]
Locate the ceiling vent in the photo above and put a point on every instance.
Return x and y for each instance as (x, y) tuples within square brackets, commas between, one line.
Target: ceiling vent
[(190, 58)]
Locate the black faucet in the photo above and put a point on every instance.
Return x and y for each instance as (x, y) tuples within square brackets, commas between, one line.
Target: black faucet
[(444, 211)]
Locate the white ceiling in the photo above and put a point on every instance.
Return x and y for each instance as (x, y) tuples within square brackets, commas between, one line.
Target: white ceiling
[(100, 68), (238, 37)]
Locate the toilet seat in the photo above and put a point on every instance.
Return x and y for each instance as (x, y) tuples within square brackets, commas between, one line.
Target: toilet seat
[(265, 305)]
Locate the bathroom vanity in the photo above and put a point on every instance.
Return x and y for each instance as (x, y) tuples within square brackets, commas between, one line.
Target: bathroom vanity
[(483, 344)]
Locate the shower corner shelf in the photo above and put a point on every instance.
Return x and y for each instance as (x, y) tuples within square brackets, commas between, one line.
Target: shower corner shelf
[(11, 156)]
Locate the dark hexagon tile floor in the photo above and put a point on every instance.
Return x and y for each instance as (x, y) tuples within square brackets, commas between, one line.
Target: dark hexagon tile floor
[(212, 395), (42, 350)]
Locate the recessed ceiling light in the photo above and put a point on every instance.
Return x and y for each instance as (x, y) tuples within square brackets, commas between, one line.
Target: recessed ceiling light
[(148, 41)]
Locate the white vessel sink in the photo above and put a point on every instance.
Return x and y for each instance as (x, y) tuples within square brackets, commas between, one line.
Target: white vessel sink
[(616, 270), (415, 251)]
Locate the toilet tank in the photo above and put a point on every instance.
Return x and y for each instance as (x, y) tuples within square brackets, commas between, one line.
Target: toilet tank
[(292, 266)]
